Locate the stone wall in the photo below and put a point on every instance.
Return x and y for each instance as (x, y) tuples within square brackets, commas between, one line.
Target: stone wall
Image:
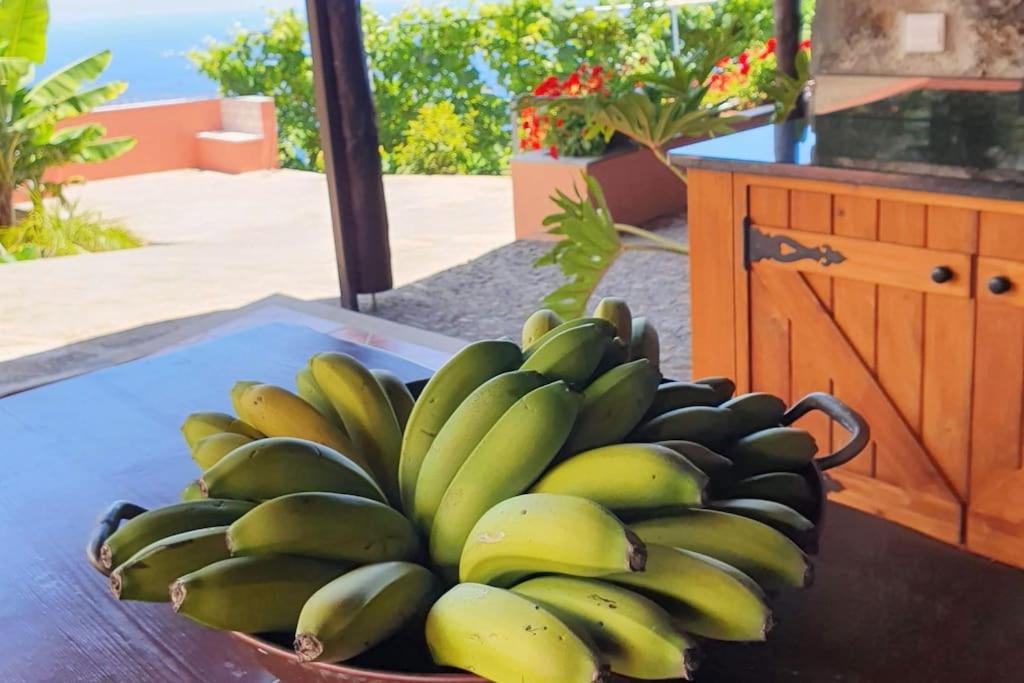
[(984, 38)]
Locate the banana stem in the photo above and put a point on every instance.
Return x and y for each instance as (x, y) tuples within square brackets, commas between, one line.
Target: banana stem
[(652, 247), (666, 243)]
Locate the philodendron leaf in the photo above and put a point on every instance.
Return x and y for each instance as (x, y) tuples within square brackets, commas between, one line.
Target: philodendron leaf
[(589, 247)]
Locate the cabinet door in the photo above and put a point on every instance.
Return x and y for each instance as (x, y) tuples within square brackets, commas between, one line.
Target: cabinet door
[(995, 522), (871, 299)]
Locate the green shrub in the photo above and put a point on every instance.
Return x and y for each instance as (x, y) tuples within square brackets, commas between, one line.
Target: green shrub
[(63, 231), (436, 141)]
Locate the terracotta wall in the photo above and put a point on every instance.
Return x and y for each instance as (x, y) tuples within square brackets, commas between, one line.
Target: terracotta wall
[(984, 38)]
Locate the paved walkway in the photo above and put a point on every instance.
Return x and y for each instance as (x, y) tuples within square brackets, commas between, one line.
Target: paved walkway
[(221, 241)]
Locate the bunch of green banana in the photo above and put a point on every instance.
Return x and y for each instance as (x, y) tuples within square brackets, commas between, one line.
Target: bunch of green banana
[(613, 405), (198, 426), (538, 324), (645, 342), (572, 355), (148, 574)]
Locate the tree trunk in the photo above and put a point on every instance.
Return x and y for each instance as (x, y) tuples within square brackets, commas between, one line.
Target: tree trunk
[(787, 35), (6, 207)]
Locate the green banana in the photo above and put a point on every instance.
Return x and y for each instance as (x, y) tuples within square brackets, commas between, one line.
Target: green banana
[(237, 389), (569, 325), (756, 549), (723, 385), (191, 492), (398, 394), (159, 523), (571, 356), (446, 390), (548, 533), (278, 412), (772, 450), (269, 468), (780, 517), (252, 594), (516, 450), (462, 433), (634, 634), (330, 526), (675, 395), (538, 324), (705, 597), (755, 412), (707, 461), (507, 638), (198, 426), (209, 450), (615, 353), (307, 388), (362, 608), (613, 405), (782, 487), (706, 425), (627, 477), (367, 413), (645, 342), (616, 311), (148, 574)]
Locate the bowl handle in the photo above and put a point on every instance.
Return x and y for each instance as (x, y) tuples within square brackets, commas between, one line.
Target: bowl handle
[(850, 419), (118, 512)]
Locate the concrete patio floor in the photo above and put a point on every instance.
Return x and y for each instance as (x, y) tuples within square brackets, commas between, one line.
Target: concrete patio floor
[(221, 241)]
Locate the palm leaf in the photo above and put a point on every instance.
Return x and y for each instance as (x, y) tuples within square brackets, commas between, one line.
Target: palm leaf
[(106, 149), (23, 27), (13, 70), (65, 82), (87, 100)]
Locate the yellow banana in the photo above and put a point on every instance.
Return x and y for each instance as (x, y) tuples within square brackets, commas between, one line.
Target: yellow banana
[(252, 594), (645, 342), (633, 633), (331, 526), (755, 412), (756, 549), (538, 324), (307, 388), (147, 575), (446, 390), (362, 608), (613, 405), (772, 450), (198, 426), (571, 356), (706, 597), (278, 412), (269, 468), (547, 533), (157, 524), (710, 463), (628, 477), (192, 492), (237, 389), (398, 394), (507, 638), (507, 460), (616, 311), (462, 433), (209, 450), (369, 418)]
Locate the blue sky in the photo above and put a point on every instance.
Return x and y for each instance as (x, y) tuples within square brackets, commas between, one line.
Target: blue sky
[(65, 10)]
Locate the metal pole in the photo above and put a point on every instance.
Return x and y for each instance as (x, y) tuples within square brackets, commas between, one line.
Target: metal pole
[(673, 13)]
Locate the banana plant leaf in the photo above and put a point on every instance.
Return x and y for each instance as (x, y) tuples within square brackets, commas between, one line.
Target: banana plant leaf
[(23, 28), (66, 82)]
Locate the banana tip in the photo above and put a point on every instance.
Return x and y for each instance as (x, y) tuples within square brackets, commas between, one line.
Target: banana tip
[(203, 488), (636, 556), (116, 584), (308, 647), (809, 575), (178, 594), (106, 557)]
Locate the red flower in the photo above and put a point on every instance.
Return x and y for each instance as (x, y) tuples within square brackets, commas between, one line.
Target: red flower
[(559, 123), (769, 48), (547, 88), (806, 45), (744, 57), (724, 62), (744, 68), (553, 151), (572, 84)]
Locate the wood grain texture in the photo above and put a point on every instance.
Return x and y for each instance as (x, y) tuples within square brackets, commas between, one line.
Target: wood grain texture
[(854, 307), (712, 302), (73, 447), (741, 287), (1002, 234)]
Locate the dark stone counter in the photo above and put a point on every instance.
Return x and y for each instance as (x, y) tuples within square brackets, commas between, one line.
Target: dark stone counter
[(953, 142)]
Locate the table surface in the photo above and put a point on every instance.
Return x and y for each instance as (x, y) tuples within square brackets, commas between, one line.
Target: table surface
[(888, 604)]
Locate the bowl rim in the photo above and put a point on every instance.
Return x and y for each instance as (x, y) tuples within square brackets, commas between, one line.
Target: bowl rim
[(373, 674)]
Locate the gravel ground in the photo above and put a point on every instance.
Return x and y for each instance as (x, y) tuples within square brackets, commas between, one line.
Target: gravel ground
[(490, 296)]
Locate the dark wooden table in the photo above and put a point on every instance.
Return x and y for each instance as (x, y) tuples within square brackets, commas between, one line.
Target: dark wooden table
[(889, 604)]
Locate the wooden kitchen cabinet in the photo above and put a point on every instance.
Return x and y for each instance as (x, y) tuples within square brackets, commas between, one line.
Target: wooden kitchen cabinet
[(909, 306)]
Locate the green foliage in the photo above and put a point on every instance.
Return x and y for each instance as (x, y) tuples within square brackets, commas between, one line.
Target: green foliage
[(437, 141), (30, 140), (784, 90), (589, 248), (273, 62), (63, 230)]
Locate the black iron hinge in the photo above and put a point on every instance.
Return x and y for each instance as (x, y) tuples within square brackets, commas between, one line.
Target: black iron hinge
[(758, 245)]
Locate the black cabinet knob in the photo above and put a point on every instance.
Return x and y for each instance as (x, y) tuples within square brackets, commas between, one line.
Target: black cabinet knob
[(1000, 284), (942, 274)]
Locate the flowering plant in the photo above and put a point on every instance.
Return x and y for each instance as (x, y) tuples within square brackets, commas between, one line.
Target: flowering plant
[(547, 123), (750, 78)]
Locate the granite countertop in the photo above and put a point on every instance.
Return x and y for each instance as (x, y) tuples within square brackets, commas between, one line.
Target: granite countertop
[(955, 142)]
